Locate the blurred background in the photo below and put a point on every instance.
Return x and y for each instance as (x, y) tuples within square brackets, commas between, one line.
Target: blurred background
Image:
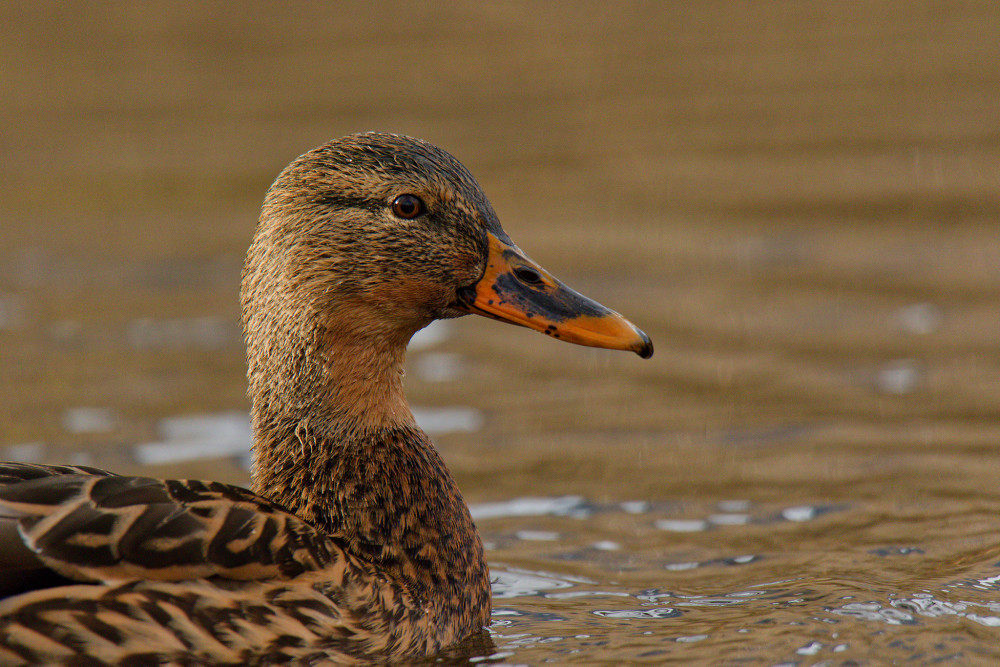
[(799, 202)]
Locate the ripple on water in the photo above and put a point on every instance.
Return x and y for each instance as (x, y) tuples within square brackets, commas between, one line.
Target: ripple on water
[(515, 582), (797, 617), (519, 625), (907, 610)]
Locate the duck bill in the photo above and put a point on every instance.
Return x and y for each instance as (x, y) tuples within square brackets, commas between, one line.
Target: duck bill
[(516, 290)]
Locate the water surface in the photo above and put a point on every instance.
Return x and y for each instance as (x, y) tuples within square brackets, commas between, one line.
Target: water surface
[(799, 202)]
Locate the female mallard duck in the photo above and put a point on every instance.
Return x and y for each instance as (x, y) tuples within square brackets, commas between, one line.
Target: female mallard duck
[(355, 543)]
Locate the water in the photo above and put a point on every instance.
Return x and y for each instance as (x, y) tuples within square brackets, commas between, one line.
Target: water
[(798, 202), (571, 599)]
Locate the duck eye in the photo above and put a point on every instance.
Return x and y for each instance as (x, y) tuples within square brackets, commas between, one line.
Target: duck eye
[(407, 206)]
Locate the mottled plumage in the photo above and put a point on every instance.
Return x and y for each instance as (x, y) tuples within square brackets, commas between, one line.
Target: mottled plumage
[(355, 543)]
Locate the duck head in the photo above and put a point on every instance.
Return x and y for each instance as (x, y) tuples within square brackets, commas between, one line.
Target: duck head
[(378, 235), (365, 240)]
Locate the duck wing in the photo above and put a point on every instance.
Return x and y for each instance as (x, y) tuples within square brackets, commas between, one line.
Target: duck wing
[(133, 570), (88, 525)]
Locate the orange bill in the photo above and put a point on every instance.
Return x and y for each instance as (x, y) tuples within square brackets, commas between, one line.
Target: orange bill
[(514, 289)]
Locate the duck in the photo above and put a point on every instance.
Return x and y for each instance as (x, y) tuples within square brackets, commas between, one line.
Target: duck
[(353, 543)]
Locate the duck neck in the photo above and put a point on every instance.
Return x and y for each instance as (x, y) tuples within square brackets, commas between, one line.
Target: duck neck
[(341, 450)]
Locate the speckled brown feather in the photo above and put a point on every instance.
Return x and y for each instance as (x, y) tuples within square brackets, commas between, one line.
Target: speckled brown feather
[(356, 544), (100, 528), (201, 571)]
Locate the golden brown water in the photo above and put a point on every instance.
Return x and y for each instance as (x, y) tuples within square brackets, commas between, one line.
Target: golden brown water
[(800, 202)]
